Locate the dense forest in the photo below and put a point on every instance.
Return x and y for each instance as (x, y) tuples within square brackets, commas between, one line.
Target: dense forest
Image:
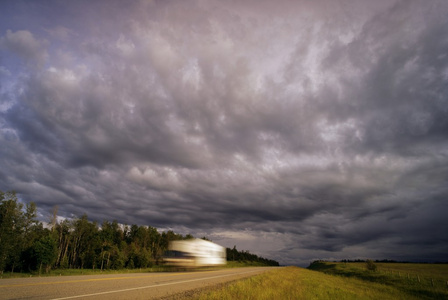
[(27, 245)]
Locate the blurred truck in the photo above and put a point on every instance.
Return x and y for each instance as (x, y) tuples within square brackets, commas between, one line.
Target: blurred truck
[(194, 253)]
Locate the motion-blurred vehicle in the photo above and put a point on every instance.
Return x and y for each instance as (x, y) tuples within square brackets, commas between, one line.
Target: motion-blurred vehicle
[(194, 253)]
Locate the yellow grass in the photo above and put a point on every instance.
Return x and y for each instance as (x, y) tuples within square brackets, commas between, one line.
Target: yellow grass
[(427, 281), (299, 283)]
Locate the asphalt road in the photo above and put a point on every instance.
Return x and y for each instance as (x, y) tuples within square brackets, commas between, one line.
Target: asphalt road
[(119, 286)]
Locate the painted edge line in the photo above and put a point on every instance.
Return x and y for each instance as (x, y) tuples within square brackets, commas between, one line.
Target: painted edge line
[(149, 286), (83, 280)]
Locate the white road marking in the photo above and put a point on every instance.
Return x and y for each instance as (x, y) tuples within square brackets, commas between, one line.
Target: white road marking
[(150, 286)]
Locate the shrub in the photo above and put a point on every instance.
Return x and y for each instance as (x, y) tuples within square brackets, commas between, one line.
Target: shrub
[(370, 265)]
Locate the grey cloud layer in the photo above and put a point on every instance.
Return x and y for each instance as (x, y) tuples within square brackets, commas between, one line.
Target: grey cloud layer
[(324, 135)]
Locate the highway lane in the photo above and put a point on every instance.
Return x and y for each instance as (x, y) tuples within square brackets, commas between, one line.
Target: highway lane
[(119, 286)]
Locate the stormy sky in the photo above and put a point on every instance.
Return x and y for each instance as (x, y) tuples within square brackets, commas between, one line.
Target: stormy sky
[(297, 130)]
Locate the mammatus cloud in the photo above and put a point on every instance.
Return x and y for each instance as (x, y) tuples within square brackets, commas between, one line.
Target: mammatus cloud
[(299, 130)]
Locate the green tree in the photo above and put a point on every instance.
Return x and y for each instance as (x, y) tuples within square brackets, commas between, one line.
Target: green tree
[(46, 252), (32, 231), (62, 230), (11, 228), (84, 241), (144, 258), (28, 257), (154, 243), (113, 246)]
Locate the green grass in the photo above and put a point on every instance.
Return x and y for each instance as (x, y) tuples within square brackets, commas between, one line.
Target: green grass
[(299, 283), (425, 281), (324, 280)]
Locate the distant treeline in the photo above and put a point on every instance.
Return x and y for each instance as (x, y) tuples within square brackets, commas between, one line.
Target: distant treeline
[(377, 260), (235, 255), (381, 261), (26, 245), (394, 261)]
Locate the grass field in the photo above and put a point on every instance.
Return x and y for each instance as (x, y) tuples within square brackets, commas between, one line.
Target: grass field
[(426, 281), (340, 281)]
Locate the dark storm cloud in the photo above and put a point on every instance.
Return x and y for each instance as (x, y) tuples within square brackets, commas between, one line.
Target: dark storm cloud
[(299, 130)]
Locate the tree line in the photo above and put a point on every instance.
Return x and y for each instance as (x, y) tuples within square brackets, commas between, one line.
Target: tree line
[(27, 245), (235, 255)]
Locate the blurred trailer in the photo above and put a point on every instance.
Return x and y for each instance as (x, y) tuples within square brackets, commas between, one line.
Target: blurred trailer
[(194, 253)]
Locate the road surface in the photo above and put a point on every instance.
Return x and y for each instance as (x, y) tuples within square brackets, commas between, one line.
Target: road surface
[(119, 286)]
